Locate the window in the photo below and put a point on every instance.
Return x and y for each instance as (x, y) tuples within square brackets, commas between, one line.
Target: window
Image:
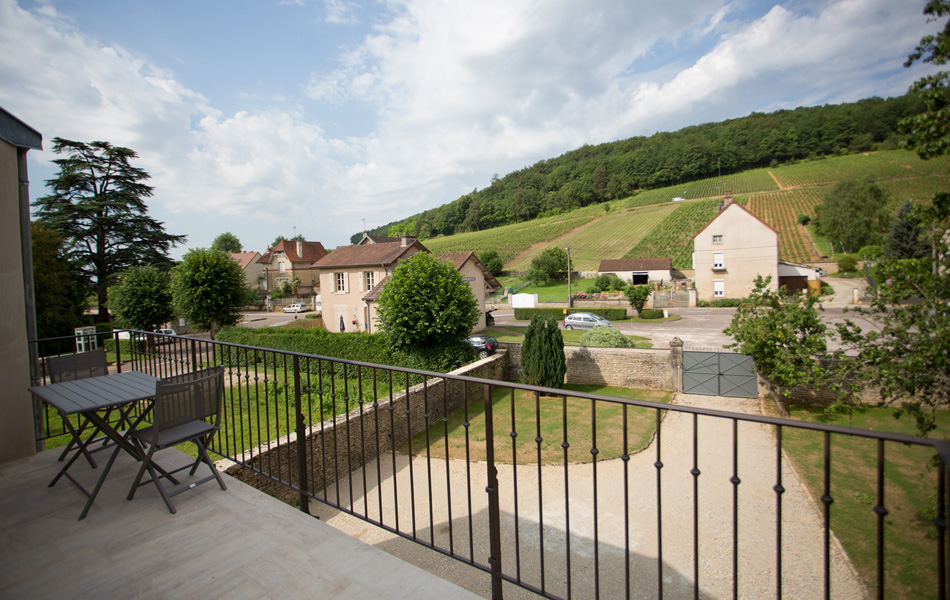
[(281, 267), (719, 288), (718, 262), (341, 283), (280, 280), (717, 239), (370, 279)]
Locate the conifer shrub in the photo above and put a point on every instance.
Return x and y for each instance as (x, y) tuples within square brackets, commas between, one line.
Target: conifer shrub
[(542, 354)]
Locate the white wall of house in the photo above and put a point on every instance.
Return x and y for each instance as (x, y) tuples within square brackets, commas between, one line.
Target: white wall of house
[(731, 251)]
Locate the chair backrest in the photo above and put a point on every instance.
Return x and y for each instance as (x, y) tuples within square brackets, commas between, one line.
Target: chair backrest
[(189, 397), (70, 367)]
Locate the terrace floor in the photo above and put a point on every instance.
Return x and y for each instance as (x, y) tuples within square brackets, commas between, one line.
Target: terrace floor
[(238, 543)]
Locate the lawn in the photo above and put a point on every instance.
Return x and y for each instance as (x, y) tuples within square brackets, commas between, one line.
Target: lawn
[(528, 410), (909, 495), (556, 291)]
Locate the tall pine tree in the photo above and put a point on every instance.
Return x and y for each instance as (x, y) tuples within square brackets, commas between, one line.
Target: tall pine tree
[(542, 354), (98, 207)]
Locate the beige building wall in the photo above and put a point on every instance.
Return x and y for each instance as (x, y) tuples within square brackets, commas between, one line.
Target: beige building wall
[(749, 248), (476, 279), (16, 426), (349, 304)]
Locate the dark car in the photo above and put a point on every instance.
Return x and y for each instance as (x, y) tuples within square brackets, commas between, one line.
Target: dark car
[(484, 345)]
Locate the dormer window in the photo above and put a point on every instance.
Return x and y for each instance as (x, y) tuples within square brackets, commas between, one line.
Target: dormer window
[(717, 239)]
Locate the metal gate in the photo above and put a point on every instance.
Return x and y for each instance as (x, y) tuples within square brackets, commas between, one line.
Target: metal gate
[(719, 374)]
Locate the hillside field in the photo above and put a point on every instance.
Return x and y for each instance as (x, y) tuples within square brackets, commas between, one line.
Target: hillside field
[(649, 224)]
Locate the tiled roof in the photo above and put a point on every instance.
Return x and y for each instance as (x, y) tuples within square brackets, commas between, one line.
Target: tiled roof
[(368, 254), (635, 264), (378, 239), (312, 252), (244, 258), (727, 207)]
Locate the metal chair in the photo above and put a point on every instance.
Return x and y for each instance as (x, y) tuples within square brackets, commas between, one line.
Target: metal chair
[(186, 408), (71, 367)]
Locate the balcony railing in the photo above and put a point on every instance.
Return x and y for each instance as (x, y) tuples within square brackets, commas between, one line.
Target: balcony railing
[(572, 494)]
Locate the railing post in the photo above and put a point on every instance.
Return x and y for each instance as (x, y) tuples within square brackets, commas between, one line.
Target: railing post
[(194, 355), (494, 511), (301, 441), (118, 351)]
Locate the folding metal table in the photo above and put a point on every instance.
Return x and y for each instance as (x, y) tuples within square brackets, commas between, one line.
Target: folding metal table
[(88, 397)]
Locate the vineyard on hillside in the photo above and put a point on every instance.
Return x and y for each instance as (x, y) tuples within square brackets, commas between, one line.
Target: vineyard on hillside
[(510, 240), (673, 237), (880, 165), (649, 224), (780, 210), (608, 237)]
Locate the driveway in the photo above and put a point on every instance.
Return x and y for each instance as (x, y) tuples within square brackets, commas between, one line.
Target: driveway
[(596, 509)]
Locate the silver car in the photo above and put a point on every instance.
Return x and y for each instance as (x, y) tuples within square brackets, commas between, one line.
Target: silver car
[(584, 320)]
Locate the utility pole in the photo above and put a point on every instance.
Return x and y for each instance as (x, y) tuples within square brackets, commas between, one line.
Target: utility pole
[(570, 298)]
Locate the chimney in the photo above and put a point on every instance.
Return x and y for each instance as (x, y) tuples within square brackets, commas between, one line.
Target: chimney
[(407, 239), (299, 249)]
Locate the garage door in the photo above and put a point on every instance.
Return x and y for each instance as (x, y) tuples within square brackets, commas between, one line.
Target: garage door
[(719, 374)]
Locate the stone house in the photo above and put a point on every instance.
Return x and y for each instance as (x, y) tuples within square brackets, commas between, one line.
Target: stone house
[(735, 247), (253, 270), (351, 278), (290, 259)]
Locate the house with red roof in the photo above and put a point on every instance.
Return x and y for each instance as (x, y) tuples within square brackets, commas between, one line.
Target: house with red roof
[(351, 278), (290, 259), (253, 270)]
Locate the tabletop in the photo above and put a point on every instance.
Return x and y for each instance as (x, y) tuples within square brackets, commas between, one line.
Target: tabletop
[(95, 393)]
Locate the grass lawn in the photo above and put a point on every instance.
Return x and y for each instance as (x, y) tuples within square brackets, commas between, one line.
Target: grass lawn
[(909, 496), (528, 410), (556, 291)]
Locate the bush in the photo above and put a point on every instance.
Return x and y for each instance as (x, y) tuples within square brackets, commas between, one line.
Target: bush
[(870, 252), (611, 314), (542, 354), (651, 313), (847, 263), (606, 337), (804, 219), (602, 282), (616, 284), (722, 303), (593, 289)]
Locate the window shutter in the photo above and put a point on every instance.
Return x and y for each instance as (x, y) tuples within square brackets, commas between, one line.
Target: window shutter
[(361, 283)]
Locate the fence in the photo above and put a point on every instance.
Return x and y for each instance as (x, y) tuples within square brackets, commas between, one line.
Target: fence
[(574, 494)]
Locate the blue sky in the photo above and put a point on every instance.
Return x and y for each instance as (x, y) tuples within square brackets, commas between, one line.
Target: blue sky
[(261, 116)]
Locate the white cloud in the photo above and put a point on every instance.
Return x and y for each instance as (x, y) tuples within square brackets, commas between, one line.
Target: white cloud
[(455, 91)]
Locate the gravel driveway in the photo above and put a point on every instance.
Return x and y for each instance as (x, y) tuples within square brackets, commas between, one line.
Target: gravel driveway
[(802, 536)]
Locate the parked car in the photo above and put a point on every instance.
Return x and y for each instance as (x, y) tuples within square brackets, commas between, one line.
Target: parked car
[(484, 345), (489, 319), (165, 336), (295, 308), (582, 320)]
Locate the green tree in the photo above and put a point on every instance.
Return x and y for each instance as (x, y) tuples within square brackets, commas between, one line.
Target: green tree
[(784, 335), (546, 265), (637, 295), (142, 299), (930, 129), (98, 207), (853, 214), (208, 288), (907, 237), (492, 262), (907, 352), (227, 242), (58, 290), (542, 354), (277, 240), (426, 305)]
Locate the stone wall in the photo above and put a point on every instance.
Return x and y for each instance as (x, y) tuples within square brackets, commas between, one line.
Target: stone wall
[(343, 444), (655, 369)]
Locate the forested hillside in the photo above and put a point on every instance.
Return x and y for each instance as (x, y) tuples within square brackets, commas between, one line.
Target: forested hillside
[(594, 174)]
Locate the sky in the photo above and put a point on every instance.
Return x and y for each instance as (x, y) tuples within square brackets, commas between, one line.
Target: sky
[(322, 117)]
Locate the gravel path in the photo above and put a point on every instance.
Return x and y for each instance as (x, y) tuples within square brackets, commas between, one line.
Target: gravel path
[(524, 546)]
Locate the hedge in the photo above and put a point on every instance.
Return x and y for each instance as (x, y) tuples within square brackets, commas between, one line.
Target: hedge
[(357, 346), (611, 314), (651, 313)]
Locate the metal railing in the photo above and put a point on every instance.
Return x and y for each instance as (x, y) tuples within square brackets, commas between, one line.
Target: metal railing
[(572, 494)]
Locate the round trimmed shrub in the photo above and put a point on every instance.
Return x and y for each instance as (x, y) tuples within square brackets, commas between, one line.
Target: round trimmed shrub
[(606, 337)]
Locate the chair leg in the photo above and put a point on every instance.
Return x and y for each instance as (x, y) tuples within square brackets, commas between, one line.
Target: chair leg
[(207, 460), (147, 466)]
